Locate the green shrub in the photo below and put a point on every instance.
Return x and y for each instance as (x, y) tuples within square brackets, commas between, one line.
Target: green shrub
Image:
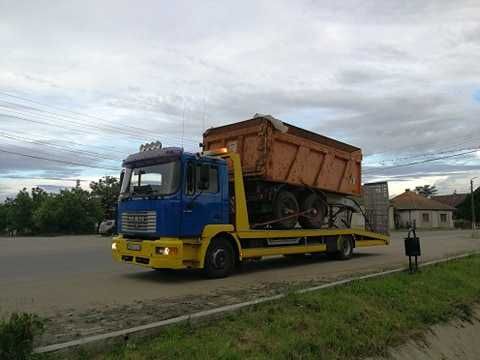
[(17, 334)]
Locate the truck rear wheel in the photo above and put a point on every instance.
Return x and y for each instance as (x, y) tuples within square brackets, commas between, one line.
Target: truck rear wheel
[(285, 204), (219, 259), (314, 219), (345, 251)]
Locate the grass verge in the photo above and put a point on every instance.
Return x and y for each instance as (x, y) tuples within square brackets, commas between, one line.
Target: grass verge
[(360, 319)]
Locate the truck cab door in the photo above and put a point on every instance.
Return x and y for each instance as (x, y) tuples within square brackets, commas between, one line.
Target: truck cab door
[(202, 200)]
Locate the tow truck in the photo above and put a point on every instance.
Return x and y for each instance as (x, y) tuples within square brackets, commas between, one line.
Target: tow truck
[(181, 210)]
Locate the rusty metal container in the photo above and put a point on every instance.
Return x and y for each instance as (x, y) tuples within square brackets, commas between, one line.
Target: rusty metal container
[(279, 152)]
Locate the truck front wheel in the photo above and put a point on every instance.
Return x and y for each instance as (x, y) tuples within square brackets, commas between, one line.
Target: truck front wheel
[(219, 259)]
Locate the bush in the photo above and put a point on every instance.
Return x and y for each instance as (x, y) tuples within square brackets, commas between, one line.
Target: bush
[(17, 334), (72, 211)]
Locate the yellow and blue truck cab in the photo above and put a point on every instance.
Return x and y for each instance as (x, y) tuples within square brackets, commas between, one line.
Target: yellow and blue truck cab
[(182, 210)]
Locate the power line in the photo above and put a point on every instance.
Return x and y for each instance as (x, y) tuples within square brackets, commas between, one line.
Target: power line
[(463, 142), (75, 126), (71, 111), (65, 148), (107, 149), (43, 178), (139, 133), (421, 162), (428, 154), (56, 160)]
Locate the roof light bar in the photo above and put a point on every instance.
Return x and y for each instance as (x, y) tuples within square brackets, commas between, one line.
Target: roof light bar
[(156, 145)]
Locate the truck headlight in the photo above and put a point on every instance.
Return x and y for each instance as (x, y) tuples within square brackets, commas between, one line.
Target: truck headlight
[(114, 246), (166, 250)]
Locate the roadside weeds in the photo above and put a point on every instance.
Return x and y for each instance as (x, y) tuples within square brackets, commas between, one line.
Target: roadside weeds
[(359, 319)]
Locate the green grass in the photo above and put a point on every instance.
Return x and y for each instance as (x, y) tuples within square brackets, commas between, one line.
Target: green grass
[(360, 319)]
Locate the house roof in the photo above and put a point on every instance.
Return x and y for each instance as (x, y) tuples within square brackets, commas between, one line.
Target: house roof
[(452, 200), (410, 200)]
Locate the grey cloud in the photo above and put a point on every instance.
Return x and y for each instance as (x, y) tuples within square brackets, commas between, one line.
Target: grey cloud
[(359, 76), (392, 78), (472, 35)]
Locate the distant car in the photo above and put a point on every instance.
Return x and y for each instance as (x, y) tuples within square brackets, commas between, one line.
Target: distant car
[(107, 228)]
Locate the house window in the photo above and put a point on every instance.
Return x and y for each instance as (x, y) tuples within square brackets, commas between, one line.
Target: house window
[(426, 217), (443, 218)]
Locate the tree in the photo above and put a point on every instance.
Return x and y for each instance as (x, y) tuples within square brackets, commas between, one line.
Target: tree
[(73, 211), (20, 212), (465, 208), (107, 190), (3, 217), (426, 190)]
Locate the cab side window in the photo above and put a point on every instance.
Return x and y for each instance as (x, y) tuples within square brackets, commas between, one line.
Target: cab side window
[(190, 179), (212, 179), (213, 185)]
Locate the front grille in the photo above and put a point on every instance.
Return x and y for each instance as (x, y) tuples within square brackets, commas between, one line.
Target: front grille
[(139, 222)]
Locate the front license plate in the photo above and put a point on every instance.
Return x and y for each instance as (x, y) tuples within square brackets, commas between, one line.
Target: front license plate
[(134, 247)]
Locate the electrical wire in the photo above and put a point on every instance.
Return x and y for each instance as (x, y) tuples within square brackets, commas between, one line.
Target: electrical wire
[(42, 178), (138, 133), (420, 162), (72, 112), (56, 160), (89, 154)]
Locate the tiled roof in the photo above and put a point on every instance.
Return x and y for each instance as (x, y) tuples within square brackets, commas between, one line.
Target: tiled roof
[(410, 200), (452, 200)]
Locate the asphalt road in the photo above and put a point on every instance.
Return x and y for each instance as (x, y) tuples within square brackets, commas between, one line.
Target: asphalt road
[(49, 274)]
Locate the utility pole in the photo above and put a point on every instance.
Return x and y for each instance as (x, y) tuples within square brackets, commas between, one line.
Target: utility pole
[(473, 204)]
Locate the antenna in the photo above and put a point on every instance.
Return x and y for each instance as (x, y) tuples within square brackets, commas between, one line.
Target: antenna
[(183, 121), (204, 113)]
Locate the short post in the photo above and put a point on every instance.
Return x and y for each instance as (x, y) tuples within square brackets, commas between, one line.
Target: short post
[(472, 198), (412, 249)]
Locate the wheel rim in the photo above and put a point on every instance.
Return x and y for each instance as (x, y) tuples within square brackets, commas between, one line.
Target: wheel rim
[(318, 213), (347, 247), (219, 258), (288, 207)]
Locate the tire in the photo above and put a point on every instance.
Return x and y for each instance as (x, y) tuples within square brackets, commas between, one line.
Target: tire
[(285, 204), (219, 259), (345, 252), (319, 206)]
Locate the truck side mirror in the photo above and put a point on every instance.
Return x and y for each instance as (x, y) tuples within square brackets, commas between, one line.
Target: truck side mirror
[(122, 176), (204, 181)]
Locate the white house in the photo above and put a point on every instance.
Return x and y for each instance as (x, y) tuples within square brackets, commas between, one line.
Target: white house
[(411, 207)]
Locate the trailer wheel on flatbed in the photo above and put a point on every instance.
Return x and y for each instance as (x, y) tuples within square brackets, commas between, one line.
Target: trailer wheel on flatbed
[(285, 204), (318, 207), (219, 259), (345, 250)]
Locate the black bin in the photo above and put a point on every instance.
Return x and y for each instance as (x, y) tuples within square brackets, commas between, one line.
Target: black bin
[(412, 245)]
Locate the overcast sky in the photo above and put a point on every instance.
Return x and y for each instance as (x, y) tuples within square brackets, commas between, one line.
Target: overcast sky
[(91, 80)]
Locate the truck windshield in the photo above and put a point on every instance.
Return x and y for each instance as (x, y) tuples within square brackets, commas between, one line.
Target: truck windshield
[(158, 179)]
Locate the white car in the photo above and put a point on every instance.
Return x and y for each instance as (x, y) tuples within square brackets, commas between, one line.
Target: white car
[(107, 227)]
